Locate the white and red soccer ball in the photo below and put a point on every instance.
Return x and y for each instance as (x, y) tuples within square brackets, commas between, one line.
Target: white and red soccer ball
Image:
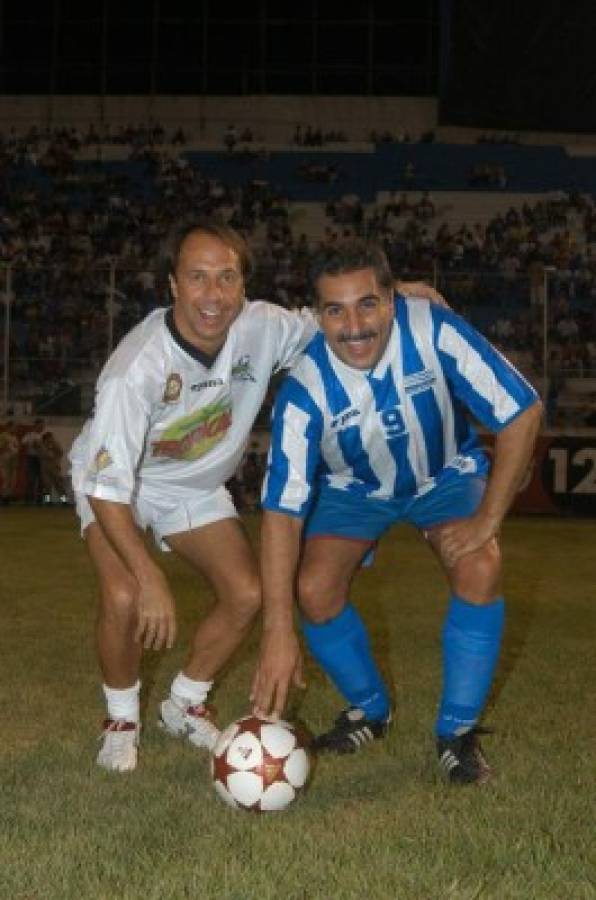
[(259, 764)]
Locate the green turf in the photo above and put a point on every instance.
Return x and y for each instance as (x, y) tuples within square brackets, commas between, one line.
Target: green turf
[(378, 825)]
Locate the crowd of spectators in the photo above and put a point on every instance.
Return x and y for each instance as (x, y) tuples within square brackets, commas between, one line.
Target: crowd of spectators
[(31, 465), (402, 136), (495, 272), (308, 136), (502, 139), (488, 175), (65, 239), (54, 150)]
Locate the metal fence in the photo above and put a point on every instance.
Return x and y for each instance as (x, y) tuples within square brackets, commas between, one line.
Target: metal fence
[(60, 324)]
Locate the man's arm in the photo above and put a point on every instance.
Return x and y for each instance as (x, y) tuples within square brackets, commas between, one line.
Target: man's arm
[(420, 289), (513, 451), (280, 661), (156, 626)]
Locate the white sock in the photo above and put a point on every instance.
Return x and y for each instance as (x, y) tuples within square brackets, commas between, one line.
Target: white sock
[(123, 703), (191, 692)]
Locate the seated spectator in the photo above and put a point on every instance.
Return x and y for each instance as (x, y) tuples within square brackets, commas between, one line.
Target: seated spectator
[(53, 482), (409, 174), (567, 329), (179, 136), (322, 172), (230, 138), (425, 208)]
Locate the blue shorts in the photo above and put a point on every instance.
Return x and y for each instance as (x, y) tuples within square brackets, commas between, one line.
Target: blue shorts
[(344, 515)]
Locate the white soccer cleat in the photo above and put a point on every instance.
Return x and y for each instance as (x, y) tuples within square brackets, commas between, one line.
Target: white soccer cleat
[(192, 722), (119, 748)]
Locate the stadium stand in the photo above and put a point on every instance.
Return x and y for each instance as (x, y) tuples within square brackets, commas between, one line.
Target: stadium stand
[(501, 227)]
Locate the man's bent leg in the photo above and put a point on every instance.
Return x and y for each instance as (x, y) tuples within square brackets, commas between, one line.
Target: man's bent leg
[(221, 552), (471, 645), (338, 640), (119, 654), (472, 636)]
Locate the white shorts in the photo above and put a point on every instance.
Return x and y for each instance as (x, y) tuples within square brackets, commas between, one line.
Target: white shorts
[(165, 515)]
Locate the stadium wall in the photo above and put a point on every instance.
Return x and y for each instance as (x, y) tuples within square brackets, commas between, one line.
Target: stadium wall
[(272, 118), (561, 478)]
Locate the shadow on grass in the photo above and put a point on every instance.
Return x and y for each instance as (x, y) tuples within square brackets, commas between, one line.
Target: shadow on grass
[(520, 616)]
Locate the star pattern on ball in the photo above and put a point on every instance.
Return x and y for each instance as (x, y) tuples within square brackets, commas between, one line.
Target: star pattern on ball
[(253, 725), (259, 765), (222, 768), (271, 769)]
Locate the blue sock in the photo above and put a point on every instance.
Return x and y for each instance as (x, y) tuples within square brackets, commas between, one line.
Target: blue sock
[(342, 649), (471, 643)]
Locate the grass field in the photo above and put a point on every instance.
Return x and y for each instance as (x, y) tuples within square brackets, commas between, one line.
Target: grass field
[(378, 825)]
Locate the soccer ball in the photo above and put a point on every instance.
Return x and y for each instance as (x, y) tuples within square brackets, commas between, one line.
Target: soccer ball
[(259, 764)]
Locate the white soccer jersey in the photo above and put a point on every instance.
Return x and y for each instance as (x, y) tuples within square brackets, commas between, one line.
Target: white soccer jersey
[(164, 422), (395, 431)]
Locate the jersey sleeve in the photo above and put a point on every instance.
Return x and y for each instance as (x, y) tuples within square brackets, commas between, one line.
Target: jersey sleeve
[(295, 331), (294, 452), (479, 376), (116, 440)]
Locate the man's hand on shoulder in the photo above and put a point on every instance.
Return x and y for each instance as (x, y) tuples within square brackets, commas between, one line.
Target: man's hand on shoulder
[(422, 290)]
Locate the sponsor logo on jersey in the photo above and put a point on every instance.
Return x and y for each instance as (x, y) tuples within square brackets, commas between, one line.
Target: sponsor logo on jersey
[(102, 461), (339, 421), (419, 381), (242, 369), (211, 382), (195, 435), (173, 388)]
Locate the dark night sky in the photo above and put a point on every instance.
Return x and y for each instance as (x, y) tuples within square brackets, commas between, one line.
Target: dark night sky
[(506, 64), (177, 46)]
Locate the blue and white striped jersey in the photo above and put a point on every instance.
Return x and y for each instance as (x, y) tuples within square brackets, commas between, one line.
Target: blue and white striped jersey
[(399, 429)]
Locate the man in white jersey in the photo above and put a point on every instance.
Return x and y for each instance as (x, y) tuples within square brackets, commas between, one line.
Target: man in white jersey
[(369, 429), (174, 408)]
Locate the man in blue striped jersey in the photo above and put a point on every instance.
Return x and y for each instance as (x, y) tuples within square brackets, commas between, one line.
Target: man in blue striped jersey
[(369, 429)]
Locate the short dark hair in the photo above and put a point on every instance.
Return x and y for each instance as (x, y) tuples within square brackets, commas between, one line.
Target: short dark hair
[(213, 227), (350, 256)]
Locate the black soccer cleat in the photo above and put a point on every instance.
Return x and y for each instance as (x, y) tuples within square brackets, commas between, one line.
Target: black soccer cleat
[(351, 732), (461, 758)]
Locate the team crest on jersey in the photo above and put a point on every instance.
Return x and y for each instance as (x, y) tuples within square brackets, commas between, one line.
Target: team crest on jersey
[(196, 434), (173, 388), (466, 465), (101, 461), (242, 369)]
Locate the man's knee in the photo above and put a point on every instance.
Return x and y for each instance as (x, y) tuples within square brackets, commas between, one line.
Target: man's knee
[(477, 576), (319, 599), (119, 603), (245, 604)]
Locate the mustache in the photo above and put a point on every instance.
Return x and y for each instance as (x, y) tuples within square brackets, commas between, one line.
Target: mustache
[(360, 336)]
